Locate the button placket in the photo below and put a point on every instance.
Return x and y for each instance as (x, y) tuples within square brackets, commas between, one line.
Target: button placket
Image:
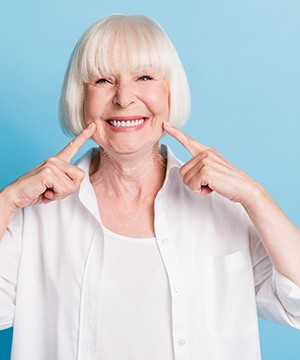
[(176, 280), (87, 346)]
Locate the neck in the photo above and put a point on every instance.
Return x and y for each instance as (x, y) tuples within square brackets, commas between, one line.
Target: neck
[(135, 175)]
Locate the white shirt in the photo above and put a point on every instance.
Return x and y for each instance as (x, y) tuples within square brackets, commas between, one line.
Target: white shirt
[(134, 311), (51, 262)]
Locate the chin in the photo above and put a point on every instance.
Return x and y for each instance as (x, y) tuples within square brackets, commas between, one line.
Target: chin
[(133, 147)]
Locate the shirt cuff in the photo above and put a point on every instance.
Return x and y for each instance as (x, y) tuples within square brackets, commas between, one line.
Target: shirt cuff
[(287, 292)]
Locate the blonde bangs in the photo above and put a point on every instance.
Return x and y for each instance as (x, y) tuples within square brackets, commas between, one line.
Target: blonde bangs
[(134, 43)]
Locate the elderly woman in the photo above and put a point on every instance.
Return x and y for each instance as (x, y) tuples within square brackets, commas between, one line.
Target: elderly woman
[(130, 254)]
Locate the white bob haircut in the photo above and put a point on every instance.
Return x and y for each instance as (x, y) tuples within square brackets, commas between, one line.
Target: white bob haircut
[(139, 41)]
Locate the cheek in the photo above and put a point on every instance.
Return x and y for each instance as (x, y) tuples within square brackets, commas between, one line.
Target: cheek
[(89, 109), (160, 103), (99, 134), (91, 104)]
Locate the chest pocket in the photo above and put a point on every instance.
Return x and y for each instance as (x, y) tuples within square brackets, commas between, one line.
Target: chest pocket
[(229, 296)]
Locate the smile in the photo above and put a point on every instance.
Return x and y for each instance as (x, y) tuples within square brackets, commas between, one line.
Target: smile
[(126, 124)]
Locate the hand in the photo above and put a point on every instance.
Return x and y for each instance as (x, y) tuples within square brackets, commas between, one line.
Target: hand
[(209, 171), (53, 179)]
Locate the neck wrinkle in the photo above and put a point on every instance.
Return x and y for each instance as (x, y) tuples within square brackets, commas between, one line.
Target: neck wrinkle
[(129, 177)]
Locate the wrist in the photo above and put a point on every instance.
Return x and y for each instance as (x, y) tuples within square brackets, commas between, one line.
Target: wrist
[(7, 204), (255, 195)]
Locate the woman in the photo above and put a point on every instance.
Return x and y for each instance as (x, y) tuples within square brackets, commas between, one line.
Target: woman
[(131, 254)]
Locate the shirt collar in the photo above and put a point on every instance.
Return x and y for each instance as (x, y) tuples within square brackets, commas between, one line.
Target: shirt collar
[(86, 192), (172, 160), (173, 163)]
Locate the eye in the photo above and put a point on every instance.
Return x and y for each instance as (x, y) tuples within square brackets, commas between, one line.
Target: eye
[(102, 81), (145, 78)]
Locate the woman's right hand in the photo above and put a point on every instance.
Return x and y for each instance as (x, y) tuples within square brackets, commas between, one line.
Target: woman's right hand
[(53, 179)]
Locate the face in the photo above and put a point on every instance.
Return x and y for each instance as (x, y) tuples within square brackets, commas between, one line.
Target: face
[(128, 109)]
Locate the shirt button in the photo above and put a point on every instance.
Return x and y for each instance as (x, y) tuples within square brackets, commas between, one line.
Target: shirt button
[(178, 288), (181, 342), (165, 241)]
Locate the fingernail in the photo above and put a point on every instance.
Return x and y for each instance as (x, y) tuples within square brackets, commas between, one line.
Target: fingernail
[(167, 124)]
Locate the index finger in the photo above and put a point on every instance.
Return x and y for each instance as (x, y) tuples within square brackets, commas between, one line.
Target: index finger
[(67, 153), (192, 145)]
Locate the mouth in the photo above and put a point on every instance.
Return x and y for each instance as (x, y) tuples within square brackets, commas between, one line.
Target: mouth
[(126, 123)]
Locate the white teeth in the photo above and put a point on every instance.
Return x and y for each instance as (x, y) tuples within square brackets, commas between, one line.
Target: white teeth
[(127, 123)]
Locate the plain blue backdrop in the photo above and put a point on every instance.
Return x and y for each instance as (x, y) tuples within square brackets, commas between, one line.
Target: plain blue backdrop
[(242, 59)]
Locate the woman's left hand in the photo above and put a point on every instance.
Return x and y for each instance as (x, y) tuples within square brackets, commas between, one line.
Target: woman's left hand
[(209, 171)]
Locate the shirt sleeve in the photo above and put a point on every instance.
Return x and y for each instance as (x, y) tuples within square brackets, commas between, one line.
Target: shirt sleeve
[(277, 298), (10, 253)]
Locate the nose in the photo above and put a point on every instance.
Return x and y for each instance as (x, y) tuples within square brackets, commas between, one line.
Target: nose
[(124, 96)]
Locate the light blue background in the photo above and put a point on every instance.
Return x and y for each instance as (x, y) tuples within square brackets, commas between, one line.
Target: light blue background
[(242, 59)]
